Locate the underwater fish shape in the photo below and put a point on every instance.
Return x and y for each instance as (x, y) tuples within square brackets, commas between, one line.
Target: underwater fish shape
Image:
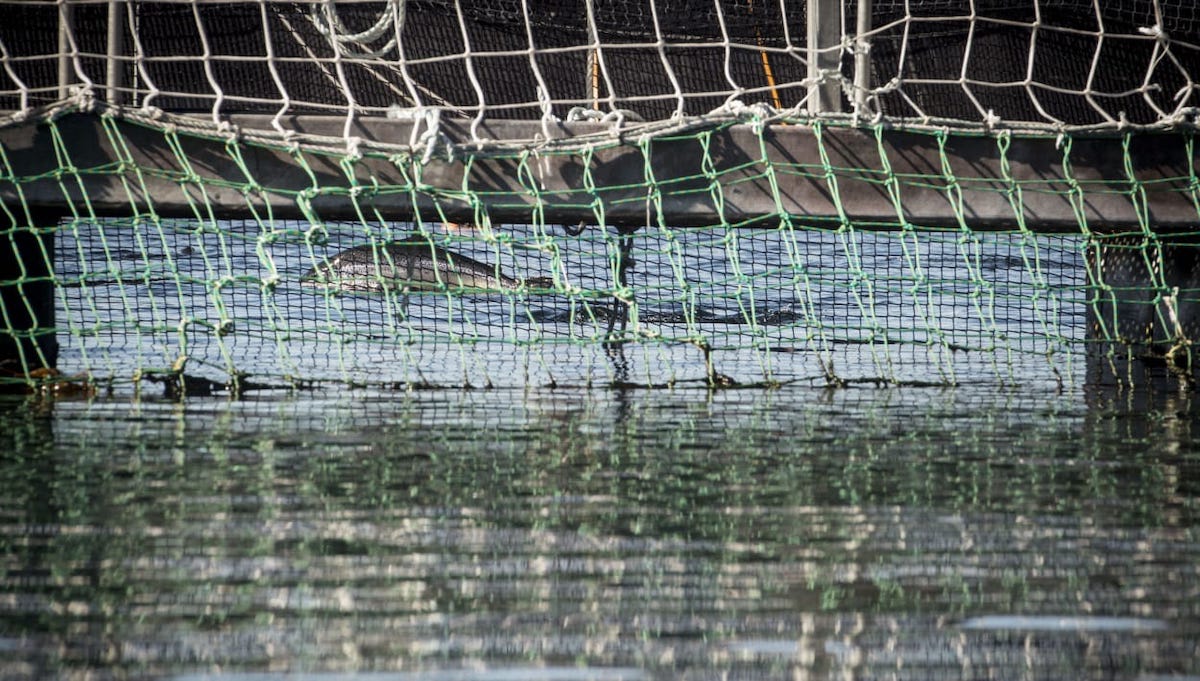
[(416, 264)]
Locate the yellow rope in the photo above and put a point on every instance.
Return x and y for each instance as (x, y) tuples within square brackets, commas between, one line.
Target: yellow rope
[(766, 62)]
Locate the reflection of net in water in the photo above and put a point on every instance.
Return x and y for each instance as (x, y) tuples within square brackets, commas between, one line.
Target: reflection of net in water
[(760, 534), (760, 305), (871, 186)]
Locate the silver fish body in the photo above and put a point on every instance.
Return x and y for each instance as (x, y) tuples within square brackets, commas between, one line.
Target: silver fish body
[(415, 264)]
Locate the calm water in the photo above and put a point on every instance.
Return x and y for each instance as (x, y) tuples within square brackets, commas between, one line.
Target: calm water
[(492, 534)]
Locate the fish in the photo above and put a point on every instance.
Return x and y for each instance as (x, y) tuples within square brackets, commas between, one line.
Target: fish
[(416, 264)]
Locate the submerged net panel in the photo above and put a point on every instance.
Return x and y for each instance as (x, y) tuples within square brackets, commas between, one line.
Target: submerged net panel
[(227, 299)]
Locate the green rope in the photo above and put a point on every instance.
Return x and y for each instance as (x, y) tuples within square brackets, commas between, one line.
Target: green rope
[(789, 296)]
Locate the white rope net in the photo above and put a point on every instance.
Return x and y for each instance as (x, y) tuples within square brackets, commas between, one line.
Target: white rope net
[(1051, 65)]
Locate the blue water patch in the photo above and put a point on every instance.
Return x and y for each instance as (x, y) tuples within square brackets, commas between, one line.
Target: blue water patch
[(1064, 623)]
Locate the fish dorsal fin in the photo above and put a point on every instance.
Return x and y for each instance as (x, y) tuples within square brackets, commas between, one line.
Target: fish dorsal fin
[(418, 245), (415, 239)]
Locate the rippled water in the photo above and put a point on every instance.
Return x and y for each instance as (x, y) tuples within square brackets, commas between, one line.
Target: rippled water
[(493, 534)]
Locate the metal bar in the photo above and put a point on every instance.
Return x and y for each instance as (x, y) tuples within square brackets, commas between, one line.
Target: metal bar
[(66, 24), (115, 71), (824, 55), (862, 58)]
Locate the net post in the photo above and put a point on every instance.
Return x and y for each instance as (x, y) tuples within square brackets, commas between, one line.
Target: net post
[(824, 55), (115, 68), (862, 57), (28, 341), (66, 24)]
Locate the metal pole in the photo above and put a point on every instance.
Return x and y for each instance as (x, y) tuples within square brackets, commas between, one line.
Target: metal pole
[(862, 57), (824, 55), (66, 24), (115, 71)]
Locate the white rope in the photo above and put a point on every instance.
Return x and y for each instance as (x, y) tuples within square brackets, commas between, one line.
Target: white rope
[(545, 102), (325, 19), (22, 88), (1130, 70), (410, 97), (285, 103), (206, 60), (469, 62), (661, 44)]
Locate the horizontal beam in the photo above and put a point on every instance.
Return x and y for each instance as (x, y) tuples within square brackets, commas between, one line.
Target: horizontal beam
[(726, 174)]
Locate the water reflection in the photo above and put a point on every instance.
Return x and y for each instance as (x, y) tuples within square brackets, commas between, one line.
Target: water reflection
[(847, 533)]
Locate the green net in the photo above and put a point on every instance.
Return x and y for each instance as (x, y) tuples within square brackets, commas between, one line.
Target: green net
[(295, 279), (242, 194)]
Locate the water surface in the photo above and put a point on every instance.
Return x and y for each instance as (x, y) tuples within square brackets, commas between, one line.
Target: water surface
[(566, 534)]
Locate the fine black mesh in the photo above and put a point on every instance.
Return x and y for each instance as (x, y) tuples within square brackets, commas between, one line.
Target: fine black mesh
[(1077, 62)]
